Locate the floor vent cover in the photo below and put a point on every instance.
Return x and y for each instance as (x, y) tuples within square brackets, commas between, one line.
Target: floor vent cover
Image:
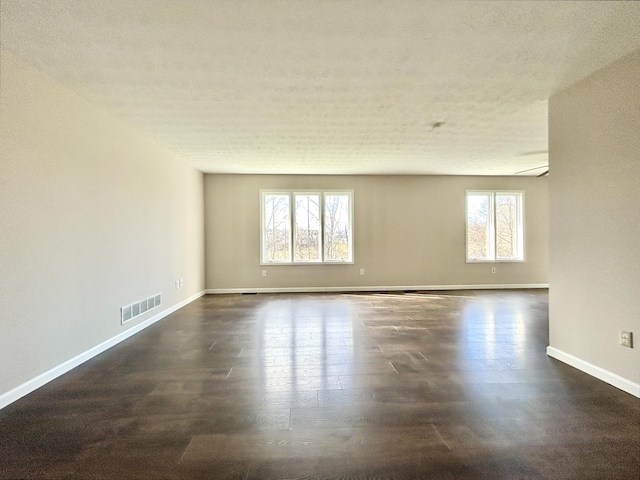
[(138, 308)]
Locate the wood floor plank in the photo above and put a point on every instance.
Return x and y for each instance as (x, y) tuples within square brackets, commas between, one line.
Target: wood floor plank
[(439, 385)]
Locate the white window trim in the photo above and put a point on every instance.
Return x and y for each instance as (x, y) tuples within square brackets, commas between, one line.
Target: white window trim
[(291, 193), (521, 221)]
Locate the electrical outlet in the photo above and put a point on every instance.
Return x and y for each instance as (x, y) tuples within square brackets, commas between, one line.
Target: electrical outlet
[(181, 282), (177, 284), (264, 273), (626, 339), (493, 269), (362, 271)]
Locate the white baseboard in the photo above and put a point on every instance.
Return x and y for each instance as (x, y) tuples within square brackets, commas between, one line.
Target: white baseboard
[(595, 371), (44, 378), (393, 288)]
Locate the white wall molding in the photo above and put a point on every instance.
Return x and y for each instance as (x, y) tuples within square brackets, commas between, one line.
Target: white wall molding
[(44, 378), (595, 371), (393, 288)]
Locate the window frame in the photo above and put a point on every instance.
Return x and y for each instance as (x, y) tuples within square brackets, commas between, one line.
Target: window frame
[(291, 193), (492, 241)]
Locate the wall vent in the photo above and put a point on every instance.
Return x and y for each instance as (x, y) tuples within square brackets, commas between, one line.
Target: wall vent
[(138, 308)]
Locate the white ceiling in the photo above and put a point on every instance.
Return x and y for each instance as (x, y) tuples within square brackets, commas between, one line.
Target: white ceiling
[(327, 87)]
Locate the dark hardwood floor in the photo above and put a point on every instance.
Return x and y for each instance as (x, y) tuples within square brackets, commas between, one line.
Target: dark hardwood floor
[(451, 385)]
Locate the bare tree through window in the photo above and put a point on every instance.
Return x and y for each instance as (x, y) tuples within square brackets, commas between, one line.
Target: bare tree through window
[(336, 208), (277, 228), (506, 226), (307, 239), (478, 226)]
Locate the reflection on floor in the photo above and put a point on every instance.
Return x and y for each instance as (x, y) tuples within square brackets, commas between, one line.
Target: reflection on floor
[(419, 385)]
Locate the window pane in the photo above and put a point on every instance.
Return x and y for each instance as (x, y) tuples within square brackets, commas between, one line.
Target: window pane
[(478, 226), (307, 230), (337, 228), (507, 213), (277, 234)]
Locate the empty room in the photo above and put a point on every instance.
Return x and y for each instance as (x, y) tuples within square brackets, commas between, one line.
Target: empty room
[(319, 239)]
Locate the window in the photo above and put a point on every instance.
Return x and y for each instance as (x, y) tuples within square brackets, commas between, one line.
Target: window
[(495, 226), (307, 227)]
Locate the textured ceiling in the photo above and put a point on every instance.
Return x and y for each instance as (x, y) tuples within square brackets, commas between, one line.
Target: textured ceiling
[(327, 87)]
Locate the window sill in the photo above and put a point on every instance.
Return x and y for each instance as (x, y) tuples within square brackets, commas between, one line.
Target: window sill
[(495, 261), (303, 264)]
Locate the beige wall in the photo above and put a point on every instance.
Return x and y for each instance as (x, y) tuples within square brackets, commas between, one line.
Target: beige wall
[(594, 147), (409, 231), (93, 216)]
